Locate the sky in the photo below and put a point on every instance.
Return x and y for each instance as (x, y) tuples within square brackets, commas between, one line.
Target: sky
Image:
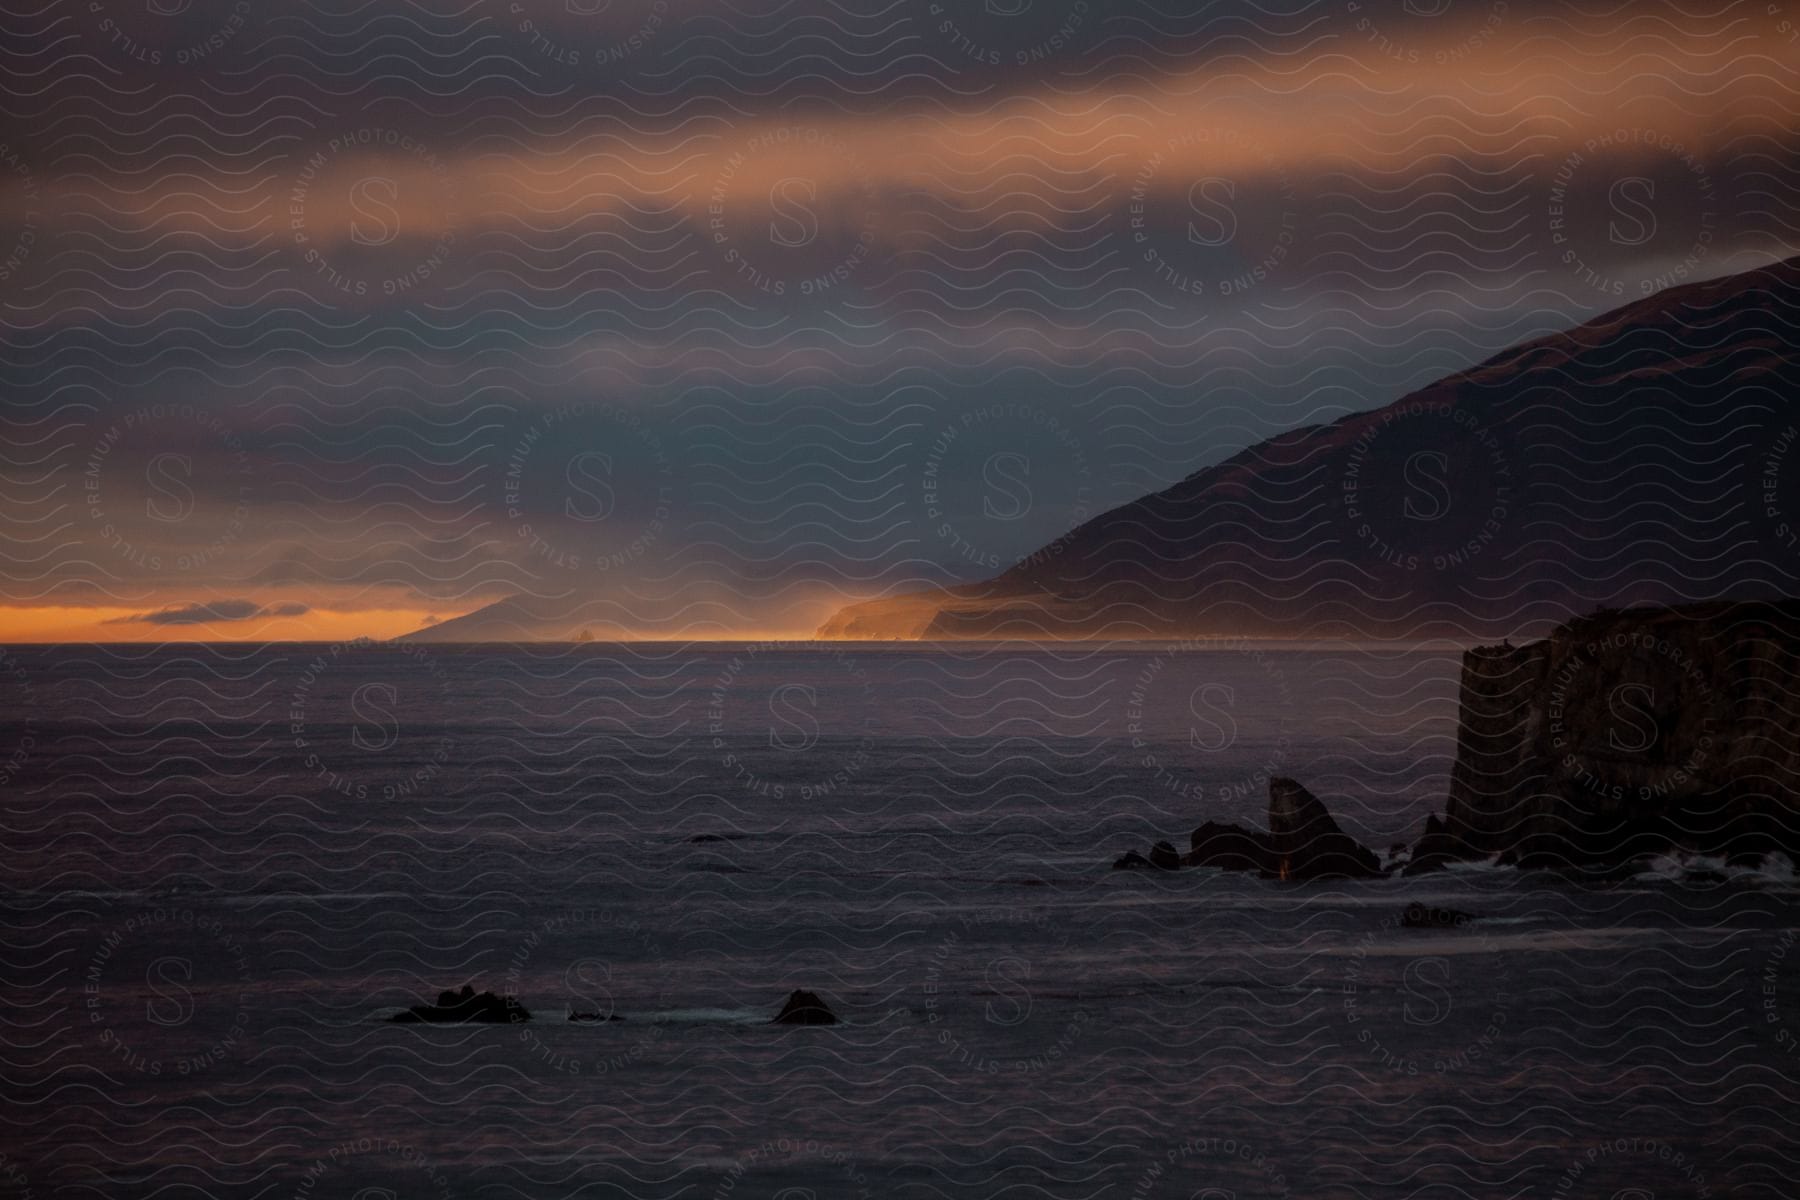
[(701, 319)]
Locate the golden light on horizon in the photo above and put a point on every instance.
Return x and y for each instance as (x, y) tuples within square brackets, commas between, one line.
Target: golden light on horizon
[(38, 624)]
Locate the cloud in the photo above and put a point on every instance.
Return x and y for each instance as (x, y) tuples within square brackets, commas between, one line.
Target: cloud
[(202, 613), (1044, 155)]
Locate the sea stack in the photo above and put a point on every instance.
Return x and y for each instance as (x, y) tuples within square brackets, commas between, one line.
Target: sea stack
[(805, 1008), (1307, 843), (1626, 734)]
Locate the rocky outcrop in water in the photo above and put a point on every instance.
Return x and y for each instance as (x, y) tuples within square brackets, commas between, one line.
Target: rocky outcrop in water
[(1626, 734), (1163, 857), (805, 1008), (1231, 848), (467, 1005), (1303, 843), (1421, 916), (1307, 843)]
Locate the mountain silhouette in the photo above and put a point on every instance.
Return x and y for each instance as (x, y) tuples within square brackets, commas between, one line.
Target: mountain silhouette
[(1646, 457)]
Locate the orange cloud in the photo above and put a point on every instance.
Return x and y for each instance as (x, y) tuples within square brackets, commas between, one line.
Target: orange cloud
[(1477, 90)]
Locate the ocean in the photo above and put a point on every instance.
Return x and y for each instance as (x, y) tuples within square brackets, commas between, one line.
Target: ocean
[(227, 866)]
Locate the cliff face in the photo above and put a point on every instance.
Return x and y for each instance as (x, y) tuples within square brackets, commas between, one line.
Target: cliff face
[(1627, 733), (1646, 457)]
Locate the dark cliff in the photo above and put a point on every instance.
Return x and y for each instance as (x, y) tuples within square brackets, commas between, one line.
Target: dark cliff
[(1629, 733)]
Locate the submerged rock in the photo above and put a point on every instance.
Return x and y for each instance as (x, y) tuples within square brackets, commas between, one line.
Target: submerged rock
[(592, 1018), (805, 1008), (467, 1005), (1419, 916)]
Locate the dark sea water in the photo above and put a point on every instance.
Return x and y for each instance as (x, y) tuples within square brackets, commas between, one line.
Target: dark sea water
[(226, 866)]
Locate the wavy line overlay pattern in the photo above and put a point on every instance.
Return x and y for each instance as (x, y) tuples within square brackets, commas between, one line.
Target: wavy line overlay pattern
[(680, 326)]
